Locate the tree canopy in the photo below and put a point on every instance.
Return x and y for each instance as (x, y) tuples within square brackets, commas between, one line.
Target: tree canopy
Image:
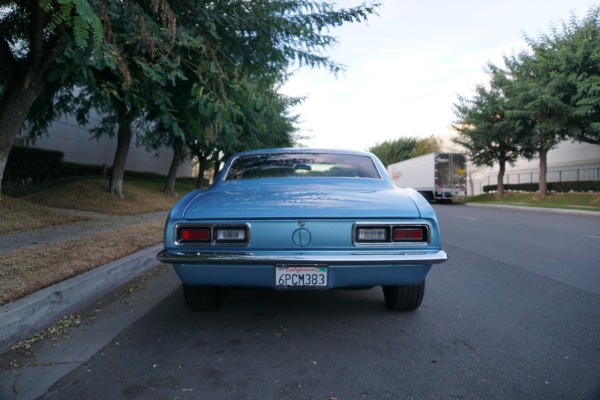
[(393, 151), (484, 129), (195, 72), (539, 98)]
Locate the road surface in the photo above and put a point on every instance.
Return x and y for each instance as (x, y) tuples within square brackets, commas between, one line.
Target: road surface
[(514, 314)]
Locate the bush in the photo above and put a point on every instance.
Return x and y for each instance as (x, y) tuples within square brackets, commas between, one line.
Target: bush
[(564, 187), (71, 169), (27, 166), (30, 170)]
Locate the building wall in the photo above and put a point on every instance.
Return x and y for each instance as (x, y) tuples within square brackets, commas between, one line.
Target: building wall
[(80, 147), (568, 161)]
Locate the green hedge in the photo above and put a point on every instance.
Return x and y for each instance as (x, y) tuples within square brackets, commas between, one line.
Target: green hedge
[(567, 186), (27, 167), (71, 169), (30, 166)]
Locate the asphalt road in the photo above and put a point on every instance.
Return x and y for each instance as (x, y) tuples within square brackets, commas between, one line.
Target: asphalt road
[(514, 314)]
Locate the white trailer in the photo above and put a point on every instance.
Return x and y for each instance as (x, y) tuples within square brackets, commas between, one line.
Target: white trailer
[(437, 176)]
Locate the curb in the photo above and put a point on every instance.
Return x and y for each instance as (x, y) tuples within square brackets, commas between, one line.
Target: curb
[(539, 209), (22, 318)]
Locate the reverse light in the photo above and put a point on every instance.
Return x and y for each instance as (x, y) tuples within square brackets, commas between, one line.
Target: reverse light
[(231, 235), (372, 234)]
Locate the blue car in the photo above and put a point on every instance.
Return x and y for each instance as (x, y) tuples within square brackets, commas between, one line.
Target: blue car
[(302, 219)]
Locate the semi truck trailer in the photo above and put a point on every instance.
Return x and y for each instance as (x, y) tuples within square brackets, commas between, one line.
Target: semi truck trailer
[(437, 176)]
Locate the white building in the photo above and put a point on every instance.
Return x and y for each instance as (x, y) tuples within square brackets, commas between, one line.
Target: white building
[(75, 141), (569, 161)]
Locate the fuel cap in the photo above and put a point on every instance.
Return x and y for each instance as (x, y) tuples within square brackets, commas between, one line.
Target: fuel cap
[(301, 237)]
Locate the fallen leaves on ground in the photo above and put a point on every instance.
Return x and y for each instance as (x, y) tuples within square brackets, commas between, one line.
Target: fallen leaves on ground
[(25, 271), (16, 217)]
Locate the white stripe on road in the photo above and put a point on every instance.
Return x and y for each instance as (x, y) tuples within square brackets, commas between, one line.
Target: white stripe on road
[(469, 218)]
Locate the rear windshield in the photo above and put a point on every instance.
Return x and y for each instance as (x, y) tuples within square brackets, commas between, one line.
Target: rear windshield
[(302, 165)]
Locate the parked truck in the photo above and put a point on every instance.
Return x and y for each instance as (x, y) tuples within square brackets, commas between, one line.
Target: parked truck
[(437, 176)]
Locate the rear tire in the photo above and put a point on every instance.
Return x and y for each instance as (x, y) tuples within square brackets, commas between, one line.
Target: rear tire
[(404, 297), (203, 298)]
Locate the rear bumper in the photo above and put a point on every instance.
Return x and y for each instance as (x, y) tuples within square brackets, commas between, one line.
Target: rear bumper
[(349, 259), (344, 270)]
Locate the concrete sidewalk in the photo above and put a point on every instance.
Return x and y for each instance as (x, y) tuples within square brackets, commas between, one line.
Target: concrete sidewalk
[(103, 316), (26, 377), (21, 318), (24, 317)]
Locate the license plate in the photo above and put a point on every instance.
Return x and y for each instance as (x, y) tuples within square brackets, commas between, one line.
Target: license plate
[(301, 276)]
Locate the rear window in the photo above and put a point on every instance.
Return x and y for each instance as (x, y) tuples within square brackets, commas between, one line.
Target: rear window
[(302, 165)]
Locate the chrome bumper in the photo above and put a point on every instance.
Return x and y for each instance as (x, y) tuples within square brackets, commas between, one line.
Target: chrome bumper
[(358, 258)]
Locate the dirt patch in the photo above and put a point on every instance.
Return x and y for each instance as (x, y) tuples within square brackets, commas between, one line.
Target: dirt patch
[(16, 217), (71, 228), (92, 195), (28, 270)]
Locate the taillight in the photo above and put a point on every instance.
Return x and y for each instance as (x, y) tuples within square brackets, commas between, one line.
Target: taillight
[(193, 235), (392, 234), (409, 234), (210, 235)]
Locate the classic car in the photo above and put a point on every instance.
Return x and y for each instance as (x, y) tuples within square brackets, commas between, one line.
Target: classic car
[(302, 219)]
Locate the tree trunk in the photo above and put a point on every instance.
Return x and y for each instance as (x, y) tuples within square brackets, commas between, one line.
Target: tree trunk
[(23, 82), (501, 171), (216, 165), (14, 108), (118, 167), (2, 166), (543, 185), (201, 170), (175, 162), (126, 114)]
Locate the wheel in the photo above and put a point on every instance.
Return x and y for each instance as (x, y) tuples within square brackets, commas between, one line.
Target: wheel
[(203, 298), (404, 297), (444, 201), (428, 196)]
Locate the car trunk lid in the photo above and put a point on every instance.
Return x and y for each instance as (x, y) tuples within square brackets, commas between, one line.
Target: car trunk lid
[(297, 202)]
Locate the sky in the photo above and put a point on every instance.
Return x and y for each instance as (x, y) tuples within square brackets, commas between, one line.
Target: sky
[(406, 67)]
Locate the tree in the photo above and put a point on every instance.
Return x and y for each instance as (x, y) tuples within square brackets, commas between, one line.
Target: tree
[(247, 49), (142, 65), (103, 60), (484, 129), (140, 53), (537, 104), (548, 94), (33, 36), (578, 53), (555, 88), (426, 145), (392, 151)]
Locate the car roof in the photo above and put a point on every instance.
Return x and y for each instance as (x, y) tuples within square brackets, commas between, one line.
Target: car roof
[(303, 150)]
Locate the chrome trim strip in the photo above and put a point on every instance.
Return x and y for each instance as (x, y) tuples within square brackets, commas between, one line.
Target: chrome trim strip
[(359, 258)]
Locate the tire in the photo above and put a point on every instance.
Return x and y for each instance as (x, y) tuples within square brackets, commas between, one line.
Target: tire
[(203, 298), (444, 201), (404, 297), (428, 196)]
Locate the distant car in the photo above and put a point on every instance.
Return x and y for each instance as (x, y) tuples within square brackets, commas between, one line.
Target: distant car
[(302, 219)]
